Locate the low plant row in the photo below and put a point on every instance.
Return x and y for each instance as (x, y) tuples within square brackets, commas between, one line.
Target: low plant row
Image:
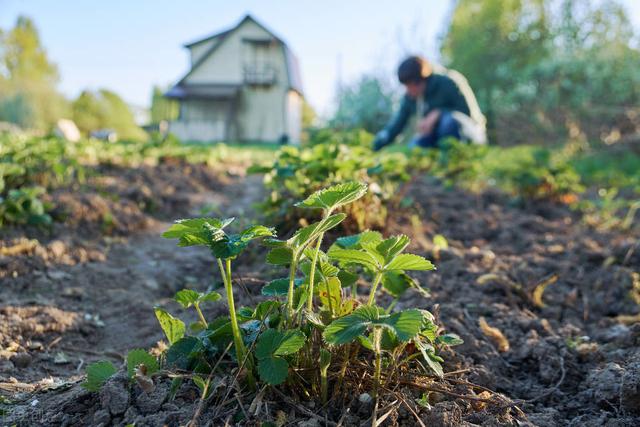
[(30, 166), (319, 321)]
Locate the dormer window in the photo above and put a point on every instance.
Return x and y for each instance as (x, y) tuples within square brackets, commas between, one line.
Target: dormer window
[(258, 67)]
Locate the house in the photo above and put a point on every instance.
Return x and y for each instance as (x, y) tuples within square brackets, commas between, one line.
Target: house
[(244, 85)]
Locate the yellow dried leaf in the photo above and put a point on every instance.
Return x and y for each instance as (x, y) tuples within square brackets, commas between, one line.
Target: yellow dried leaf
[(494, 334), (628, 319), (536, 296)]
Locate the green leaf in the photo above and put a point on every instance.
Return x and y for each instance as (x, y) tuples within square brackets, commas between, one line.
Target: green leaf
[(173, 328), (276, 343), (330, 287), (405, 324), (197, 231), (410, 262), (335, 196), (280, 256), (140, 357), (428, 353), (307, 234), (348, 328), (347, 278), (329, 270), (450, 339), (265, 309), (397, 282), (187, 297), (391, 247), (355, 241), (273, 370), (278, 287), (210, 296), (230, 246), (353, 256), (97, 374), (183, 353)]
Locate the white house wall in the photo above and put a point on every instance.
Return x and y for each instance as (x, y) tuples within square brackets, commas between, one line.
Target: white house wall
[(226, 63), (294, 116), (263, 113), (199, 50)]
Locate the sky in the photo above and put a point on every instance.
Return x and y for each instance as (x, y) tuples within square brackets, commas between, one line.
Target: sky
[(129, 46)]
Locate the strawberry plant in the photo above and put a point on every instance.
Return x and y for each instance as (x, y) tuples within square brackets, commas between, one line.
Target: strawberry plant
[(313, 321), (308, 332), (296, 173)]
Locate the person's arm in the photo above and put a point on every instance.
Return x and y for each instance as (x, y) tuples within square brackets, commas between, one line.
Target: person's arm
[(396, 125)]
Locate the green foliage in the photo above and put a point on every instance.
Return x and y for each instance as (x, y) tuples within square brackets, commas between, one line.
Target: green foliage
[(365, 104), (105, 110), (561, 68), (139, 357), (173, 328), (403, 325), (189, 297), (333, 158), (28, 79), (97, 374), (272, 346), (277, 336), (163, 108), (24, 206)]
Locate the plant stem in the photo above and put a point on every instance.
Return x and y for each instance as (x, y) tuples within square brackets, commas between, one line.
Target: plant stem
[(312, 273), (374, 287), (393, 304), (202, 319), (377, 334), (292, 279), (241, 351)]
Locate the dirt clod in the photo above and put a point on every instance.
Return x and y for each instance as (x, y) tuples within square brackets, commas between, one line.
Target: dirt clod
[(630, 390), (444, 414), (114, 394), (21, 360)]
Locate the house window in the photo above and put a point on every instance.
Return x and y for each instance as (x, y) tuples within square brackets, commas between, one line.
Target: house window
[(258, 65)]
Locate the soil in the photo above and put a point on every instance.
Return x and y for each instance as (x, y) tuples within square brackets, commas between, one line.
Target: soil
[(558, 341)]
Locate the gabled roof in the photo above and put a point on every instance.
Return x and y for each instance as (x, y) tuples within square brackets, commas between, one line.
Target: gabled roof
[(292, 67)]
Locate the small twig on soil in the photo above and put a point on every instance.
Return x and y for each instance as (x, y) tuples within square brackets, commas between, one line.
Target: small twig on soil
[(239, 400), (450, 393), (301, 408), (472, 385), (404, 402), (344, 415), (459, 371), (53, 343)]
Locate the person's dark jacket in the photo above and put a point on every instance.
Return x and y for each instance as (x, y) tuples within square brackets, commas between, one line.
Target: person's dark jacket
[(441, 93)]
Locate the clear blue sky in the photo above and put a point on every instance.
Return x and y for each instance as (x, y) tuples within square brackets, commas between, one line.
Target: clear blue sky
[(129, 45)]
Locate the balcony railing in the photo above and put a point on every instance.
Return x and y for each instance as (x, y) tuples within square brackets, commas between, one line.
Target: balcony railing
[(263, 75)]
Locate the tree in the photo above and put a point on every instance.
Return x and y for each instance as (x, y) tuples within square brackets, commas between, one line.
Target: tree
[(365, 104), (547, 69), (28, 79), (493, 42), (105, 110), (162, 108)]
